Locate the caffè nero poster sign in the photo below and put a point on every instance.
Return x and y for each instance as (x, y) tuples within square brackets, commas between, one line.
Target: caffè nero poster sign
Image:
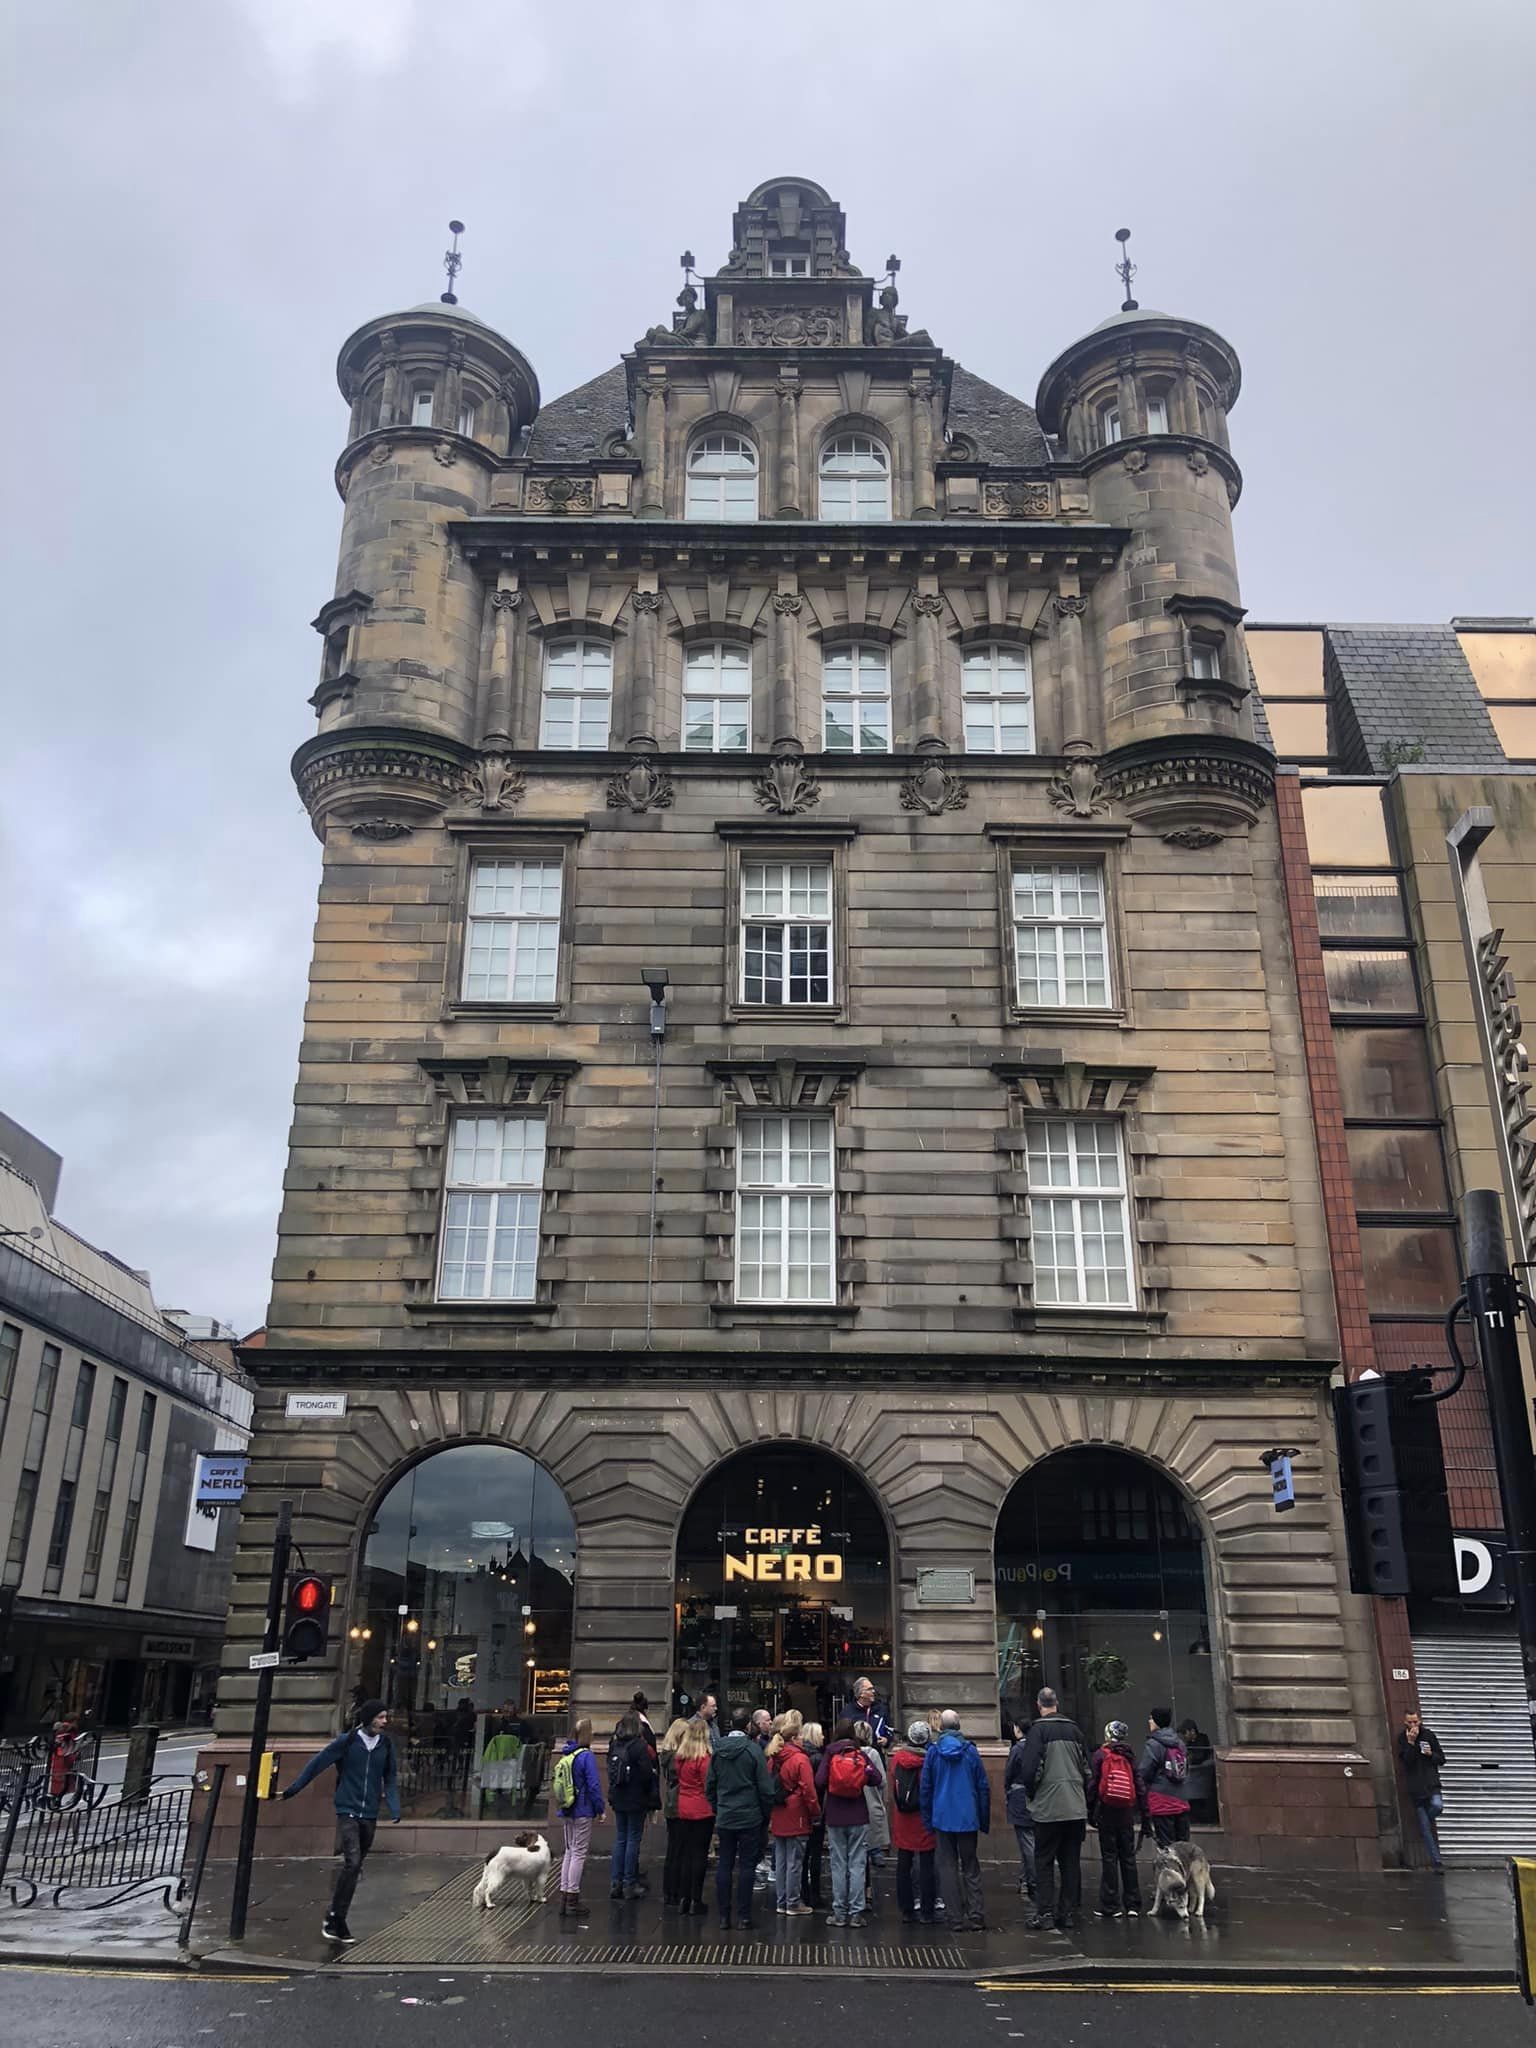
[(781, 1556)]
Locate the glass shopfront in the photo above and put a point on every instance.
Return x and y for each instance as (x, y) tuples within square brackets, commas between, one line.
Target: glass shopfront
[(783, 1593), (1100, 1573), (462, 1626)]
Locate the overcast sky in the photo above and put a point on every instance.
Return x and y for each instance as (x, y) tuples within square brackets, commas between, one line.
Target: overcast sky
[(205, 198)]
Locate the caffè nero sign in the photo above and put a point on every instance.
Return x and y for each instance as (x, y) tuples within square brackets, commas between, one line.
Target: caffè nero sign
[(783, 1557)]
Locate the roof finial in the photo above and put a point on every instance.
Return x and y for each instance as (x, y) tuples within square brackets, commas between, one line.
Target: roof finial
[(453, 262), (1125, 270), (686, 260)]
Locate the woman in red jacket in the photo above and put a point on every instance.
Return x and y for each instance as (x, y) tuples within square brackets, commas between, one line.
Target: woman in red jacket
[(912, 1841), (695, 1815), (795, 1813)]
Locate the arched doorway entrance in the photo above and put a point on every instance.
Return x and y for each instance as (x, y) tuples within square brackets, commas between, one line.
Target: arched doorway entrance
[(462, 1626), (1101, 1593), (783, 1594)]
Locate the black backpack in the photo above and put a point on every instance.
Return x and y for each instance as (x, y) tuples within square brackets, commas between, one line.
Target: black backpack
[(907, 1786), (775, 1771), (621, 1768)]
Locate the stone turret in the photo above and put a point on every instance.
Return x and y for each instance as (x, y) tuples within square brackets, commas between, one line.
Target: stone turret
[(439, 401)]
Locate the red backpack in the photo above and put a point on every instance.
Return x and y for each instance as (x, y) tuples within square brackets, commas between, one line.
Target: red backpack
[(1117, 1781), (845, 1774)]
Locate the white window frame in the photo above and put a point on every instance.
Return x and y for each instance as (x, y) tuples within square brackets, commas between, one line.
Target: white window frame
[(1109, 425), (864, 668), (792, 899), (512, 929), (1157, 412), (716, 461), (789, 266), (1072, 939), (1204, 659), (493, 1190), (786, 1209), (469, 412), (851, 499), (423, 405), (1079, 1199), (578, 672), (982, 694), (717, 681)]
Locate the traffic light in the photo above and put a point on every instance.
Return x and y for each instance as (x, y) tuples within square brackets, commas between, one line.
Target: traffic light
[(306, 1615), (1392, 1469)]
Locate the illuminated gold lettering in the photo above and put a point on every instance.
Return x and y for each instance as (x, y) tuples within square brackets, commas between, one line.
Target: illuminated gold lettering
[(737, 1568), (829, 1567), (797, 1566), (769, 1567)]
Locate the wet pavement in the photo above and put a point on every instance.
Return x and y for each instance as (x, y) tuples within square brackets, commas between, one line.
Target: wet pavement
[(414, 1913)]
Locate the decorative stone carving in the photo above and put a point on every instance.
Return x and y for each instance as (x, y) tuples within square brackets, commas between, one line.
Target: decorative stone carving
[(787, 603), (379, 454), (1198, 461), (442, 451), (688, 323), (1195, 837), (787, 786), (379, 827), (559, 494), (1070, 607), (360, 776), (788, 327), (1077, 791), (1215, 783), (934, 788), (495, 784), (928, 604), (887, 325), (506, 600), (1135, 460), (642, 786), (645, 600), (1017, 501)]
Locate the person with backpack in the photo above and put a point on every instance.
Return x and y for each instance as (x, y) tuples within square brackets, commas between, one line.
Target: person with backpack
[(813, 1741), (913, 1839), (879, 1813), (1020, 1819), (631, 1794), (796, 1810), (740, 1790), (666, 1766), (841, 1776), (366, 1772), (1116, 1797), (957, 1807), (1054, 1768), (1163, 1770), (695, 1814), (579, 1802)]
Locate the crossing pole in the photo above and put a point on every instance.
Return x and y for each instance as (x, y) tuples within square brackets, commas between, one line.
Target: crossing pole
[(245, 1854)]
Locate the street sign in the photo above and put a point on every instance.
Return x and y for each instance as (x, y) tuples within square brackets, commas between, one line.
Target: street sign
[(315, 1407), (220, 1478), (266, 1660), (1282, 1483)]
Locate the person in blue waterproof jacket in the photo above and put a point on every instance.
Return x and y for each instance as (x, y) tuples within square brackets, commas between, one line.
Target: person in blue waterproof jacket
[(366, 1772), (957, 1807)]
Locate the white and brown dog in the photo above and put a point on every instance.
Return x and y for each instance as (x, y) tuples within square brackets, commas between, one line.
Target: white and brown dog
[(524, 1862)]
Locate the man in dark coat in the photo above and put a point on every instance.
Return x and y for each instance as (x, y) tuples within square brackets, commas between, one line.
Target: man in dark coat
[(741, 1792), (1054, 1769), (1421, 1756), (366, 1772)]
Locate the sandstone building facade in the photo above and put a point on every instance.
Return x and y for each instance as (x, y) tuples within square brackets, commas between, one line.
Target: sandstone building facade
[(802, 1160)]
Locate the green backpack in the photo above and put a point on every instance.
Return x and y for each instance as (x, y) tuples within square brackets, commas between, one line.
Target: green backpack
[(565, 1782)]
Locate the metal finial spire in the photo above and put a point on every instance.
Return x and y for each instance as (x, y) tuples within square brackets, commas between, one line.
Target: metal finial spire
[(1125, 270), (686, 260), (453, 262), (892, 265)]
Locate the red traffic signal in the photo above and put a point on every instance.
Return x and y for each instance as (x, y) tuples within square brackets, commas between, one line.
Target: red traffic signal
[(306, 1615)]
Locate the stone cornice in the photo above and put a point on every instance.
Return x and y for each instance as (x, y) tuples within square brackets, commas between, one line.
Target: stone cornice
[(1201, 787), (380, 780), (896, 543)]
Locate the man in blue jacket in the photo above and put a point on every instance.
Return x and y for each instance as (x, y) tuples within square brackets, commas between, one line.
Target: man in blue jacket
[(957, 1806), (365, 1772)]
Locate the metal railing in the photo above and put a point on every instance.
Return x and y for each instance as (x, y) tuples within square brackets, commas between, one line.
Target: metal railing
[(112, 1847)]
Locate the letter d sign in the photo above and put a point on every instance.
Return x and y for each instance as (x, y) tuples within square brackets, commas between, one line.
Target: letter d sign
[(1474, 1564)]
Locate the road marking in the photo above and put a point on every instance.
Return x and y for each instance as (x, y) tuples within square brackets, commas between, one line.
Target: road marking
[(130, 1975), (1270, 1990)]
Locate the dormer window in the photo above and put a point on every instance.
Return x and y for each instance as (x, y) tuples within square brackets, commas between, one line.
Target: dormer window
[(1109, 425), (469, 412), (1204, 659), (789, 266), (722, 478), (421, 406), (855, 479), (1157, 413)]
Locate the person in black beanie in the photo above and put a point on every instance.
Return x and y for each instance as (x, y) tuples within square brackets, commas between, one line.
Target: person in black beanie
[(366, 1772)]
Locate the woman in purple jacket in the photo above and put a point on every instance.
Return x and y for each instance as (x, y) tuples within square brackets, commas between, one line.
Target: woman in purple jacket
[(578, 1820), (841, 1776)]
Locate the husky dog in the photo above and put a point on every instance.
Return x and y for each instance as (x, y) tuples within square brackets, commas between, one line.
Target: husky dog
[(1183, 1877), (525, 1862)]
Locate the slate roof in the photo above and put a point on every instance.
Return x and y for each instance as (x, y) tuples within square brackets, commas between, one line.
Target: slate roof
[(574, 427), (1401, 687), (1003, 427)]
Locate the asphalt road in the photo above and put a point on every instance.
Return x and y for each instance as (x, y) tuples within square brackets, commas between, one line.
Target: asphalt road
[(86, 2009)]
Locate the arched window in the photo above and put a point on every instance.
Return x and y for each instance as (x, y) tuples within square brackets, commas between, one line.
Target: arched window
[(856, 699), (855, 479), (1109, 425), (722, 478), (1157, 411), (717, 698), (462, 1626), (578, 693), (1099, 1566), (998, 701), (421, 406), (469, 412)]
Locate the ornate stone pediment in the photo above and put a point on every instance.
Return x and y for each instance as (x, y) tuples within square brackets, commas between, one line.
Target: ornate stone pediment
[(559, 494), (1017, 501), (788, 326)]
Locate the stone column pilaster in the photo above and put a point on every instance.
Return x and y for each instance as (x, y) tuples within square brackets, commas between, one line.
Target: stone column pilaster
[(1077, 723), (788, 465), (653, 483), (506, 603), (787, 606), (645, 602), (927, 702), (920, 391)]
